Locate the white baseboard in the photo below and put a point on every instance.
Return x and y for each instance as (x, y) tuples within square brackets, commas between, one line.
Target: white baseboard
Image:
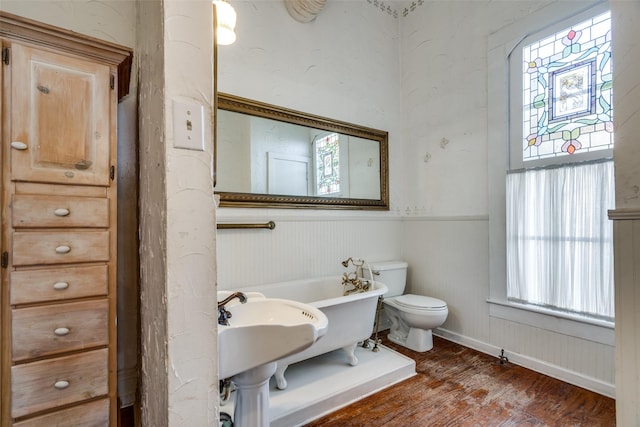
[(537, 365)]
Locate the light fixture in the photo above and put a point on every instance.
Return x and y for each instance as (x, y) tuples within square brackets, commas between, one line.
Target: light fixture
[(225, 22)]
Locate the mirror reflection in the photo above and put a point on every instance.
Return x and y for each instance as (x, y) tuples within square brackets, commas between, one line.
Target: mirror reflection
[(272, 156)]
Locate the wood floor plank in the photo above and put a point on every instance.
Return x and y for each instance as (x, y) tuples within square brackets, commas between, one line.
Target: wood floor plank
[(458, 386)]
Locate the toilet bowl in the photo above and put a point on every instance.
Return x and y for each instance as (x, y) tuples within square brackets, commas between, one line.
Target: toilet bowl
[(412, 317)]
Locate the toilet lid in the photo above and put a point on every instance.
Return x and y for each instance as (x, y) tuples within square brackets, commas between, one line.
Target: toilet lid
[(420, 302)]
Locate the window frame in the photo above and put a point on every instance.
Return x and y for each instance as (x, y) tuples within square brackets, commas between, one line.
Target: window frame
[(500, 46), (317, 160), (515, 86)]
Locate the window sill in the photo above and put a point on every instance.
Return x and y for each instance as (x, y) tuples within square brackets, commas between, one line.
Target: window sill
[(599, 331)]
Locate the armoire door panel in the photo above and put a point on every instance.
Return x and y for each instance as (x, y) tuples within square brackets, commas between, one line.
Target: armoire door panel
[(60, 118)]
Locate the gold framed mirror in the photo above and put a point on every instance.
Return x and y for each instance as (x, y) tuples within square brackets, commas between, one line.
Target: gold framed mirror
[(270, 156)]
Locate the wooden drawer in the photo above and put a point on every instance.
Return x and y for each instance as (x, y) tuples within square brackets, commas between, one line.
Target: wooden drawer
[(59, 247), (51, 329), (28, 286), (92, 414), (60, 190), (39, 386), (55, 211)]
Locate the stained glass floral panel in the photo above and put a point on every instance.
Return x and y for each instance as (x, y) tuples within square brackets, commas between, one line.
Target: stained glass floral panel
[(328, 165), (567, 91)]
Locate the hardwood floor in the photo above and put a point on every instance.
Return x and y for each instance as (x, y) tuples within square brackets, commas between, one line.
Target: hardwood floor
[(458, 386)]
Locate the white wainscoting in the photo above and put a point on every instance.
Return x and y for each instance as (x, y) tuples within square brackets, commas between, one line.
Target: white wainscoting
[(538, 365), (302, 246), (449, 259), (626, 236)]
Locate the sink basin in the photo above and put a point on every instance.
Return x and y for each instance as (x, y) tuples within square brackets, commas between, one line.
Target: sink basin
[(263, 330)]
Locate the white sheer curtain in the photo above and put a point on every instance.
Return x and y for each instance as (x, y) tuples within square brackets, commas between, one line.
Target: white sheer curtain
[(559, 238)]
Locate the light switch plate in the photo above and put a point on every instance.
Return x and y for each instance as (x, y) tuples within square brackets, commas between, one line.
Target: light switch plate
[(188, 125)]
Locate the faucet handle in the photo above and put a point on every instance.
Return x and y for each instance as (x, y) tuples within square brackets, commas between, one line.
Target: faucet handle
[(223, 316)]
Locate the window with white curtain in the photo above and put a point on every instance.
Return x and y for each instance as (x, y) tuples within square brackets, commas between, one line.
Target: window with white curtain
[(560, 184)]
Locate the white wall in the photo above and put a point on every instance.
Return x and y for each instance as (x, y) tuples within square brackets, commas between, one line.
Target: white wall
[(439, 168), (153, 324), (177, 238), (626, 17), (344, 65), (110, 20), (447, 225), (234, 134), (277, 138)]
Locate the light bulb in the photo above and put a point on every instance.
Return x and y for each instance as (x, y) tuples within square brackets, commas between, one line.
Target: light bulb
[(226, 17)]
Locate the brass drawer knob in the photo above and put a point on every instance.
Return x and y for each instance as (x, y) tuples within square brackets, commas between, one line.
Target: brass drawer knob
[(61, 212), (61, 384), (63, 249), (61, 332)]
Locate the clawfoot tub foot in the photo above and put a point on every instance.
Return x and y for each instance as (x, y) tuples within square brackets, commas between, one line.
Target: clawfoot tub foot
[(350, 350), (281, 381)]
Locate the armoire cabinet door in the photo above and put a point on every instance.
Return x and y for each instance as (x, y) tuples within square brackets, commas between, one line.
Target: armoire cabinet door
[(59, 94), (60, 118)]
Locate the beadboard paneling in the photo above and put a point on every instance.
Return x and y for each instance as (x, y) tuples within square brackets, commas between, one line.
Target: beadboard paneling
[(627, 279), (300, 247), (448, 259)]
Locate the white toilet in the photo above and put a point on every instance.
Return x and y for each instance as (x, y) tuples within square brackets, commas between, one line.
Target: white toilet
[(412, 316)]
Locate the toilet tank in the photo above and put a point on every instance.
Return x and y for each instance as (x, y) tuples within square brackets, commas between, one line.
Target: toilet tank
[(391, 273)]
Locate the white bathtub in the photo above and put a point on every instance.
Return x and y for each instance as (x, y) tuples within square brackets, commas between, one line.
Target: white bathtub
[(351, 317)]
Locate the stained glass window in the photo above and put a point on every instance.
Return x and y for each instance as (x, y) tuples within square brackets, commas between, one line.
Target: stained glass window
[(567, 100), (328, 165)]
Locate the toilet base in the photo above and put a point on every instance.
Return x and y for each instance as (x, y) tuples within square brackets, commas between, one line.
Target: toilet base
[(419, 340)]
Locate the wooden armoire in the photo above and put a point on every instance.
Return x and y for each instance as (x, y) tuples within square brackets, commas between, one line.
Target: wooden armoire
[(59, 93)]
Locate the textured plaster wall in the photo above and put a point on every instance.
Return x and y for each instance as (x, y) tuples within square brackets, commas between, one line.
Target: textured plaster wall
[(444, 102), (110, 20), (153, 219), (343, 65), (178, 299), (448, 165), (435, 105), (190, 233)]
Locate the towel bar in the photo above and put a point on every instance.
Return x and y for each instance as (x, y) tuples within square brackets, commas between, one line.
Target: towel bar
[(270, 225)]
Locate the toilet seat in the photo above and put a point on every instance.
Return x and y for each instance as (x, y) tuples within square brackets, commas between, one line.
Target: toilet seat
[(420, 302)]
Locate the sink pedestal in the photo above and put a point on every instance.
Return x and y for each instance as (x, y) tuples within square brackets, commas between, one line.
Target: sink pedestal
[(251, 402), (262, 331)]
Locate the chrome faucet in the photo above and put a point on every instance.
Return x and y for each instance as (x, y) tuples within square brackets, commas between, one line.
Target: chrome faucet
[(223, 313)]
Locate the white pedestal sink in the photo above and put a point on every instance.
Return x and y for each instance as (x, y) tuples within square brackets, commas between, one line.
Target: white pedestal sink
[(261, 331)]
